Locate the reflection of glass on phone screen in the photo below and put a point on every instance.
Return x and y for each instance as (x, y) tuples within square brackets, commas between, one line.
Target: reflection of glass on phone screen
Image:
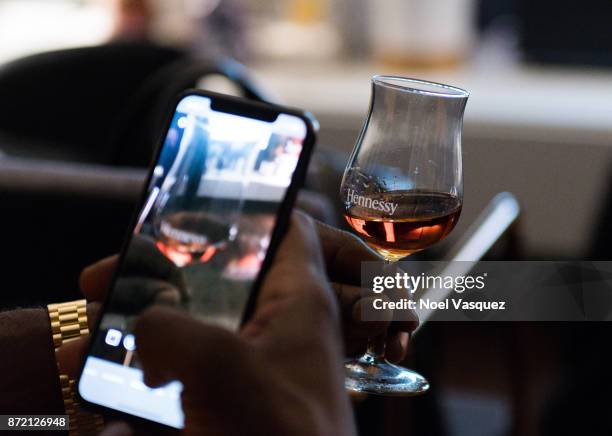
[(199, 242)]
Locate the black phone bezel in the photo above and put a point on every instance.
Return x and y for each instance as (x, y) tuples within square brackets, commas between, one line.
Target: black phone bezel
[(253, 109)]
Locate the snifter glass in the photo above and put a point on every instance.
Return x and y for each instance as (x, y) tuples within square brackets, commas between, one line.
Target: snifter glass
[(402, 191)]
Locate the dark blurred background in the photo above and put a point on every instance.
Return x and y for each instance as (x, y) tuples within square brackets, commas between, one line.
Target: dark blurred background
[(85, 86)]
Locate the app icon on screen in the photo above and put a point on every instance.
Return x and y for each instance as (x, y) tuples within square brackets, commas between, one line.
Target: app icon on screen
[(129, 343), (113, 337)]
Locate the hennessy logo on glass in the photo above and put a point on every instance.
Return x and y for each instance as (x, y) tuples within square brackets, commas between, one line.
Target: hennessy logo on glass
[(402, 192)]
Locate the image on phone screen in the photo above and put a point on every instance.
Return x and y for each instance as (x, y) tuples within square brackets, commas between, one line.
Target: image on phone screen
[(201, 236)]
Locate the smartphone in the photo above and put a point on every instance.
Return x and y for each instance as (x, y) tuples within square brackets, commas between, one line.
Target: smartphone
[(215, 207)]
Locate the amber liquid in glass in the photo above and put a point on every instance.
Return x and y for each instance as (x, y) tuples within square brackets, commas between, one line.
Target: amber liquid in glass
[(420, 219), (185, 237)]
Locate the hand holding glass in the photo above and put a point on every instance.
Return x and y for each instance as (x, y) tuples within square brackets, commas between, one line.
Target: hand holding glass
[(402, 191)]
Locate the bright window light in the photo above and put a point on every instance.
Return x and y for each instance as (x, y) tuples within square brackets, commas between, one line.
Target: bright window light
[(31, 26)]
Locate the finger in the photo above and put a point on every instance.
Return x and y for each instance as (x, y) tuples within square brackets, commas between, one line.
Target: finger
[(96, 279), (117, 429), (364, 326), (296, 299), (397, 346), (93, 313), (132, 294), (347, 296), (170, 297), (361, 328), (144, 259), (343, 254), (296, 291), (358, 330), (358, 311), (355, 305), (298, 258), (404, 320), (174, 346)]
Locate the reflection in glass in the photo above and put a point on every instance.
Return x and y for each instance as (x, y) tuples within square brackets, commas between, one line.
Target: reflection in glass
[(188, 226)]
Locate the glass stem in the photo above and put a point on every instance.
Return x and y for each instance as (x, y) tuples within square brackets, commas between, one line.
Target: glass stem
[(376, 345)]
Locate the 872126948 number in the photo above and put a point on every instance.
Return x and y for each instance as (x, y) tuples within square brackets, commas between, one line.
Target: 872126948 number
[(33, 422)]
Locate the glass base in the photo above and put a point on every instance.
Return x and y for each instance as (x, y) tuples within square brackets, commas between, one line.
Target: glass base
[(376, 376)]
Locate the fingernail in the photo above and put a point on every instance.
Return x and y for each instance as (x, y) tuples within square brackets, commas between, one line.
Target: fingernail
[(405, 339)]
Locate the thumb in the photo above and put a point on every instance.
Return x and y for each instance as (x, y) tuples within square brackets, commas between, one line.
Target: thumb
[(96, 279), (298, 259), (172, 345)]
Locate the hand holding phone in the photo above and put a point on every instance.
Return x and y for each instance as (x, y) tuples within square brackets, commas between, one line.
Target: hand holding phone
[(281, 374), (214, 210)]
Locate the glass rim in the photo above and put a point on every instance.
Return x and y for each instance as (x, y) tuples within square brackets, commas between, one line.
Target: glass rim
[(408, 84)]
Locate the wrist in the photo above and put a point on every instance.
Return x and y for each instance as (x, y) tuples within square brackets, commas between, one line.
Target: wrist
[(70, 355), (69, 326)]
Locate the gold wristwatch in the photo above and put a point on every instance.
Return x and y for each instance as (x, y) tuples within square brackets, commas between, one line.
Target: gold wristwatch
[(69, 322)]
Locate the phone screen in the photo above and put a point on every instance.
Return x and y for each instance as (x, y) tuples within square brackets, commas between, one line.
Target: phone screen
[(199, 242)]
